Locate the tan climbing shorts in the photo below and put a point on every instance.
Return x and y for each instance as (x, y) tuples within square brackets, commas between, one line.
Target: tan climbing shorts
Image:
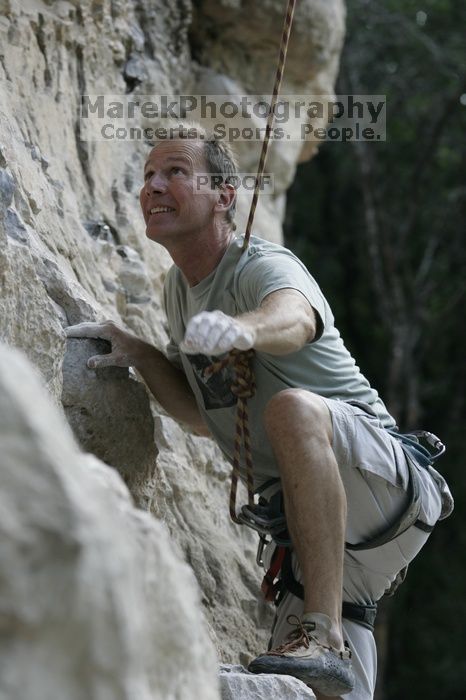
[(375, 476)]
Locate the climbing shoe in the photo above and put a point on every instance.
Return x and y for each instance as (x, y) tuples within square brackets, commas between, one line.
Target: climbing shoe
[(305, 657)]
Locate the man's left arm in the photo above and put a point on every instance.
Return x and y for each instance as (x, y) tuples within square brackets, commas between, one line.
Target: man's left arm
[(284, 322)]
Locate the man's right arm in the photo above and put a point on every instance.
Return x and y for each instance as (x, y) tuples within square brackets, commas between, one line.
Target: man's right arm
[(166, 382)]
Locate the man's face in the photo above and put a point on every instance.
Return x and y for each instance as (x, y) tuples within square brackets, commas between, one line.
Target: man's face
[(170, 204)]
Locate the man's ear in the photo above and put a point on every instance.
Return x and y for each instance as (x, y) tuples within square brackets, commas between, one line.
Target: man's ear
[(226, 197)]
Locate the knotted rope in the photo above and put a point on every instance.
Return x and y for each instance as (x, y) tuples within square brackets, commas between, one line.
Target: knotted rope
[(271, 115), (244, 387)]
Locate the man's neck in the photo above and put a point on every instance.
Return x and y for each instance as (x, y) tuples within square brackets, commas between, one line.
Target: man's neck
[(200, 256)]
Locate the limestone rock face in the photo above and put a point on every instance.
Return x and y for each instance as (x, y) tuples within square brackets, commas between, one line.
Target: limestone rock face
[(95, 601), (73, 249), (247, 59), (238, 684)]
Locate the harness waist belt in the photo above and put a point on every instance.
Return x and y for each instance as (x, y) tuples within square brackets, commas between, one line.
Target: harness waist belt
[(268, 518)]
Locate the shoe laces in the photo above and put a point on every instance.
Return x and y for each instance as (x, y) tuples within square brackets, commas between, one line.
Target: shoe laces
[(296, 638), (300, 637)]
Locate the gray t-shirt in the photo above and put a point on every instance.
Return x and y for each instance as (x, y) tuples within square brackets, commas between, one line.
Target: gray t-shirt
[(239, 284)]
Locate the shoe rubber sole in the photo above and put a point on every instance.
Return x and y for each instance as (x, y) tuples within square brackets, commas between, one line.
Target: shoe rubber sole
[(331, 680)]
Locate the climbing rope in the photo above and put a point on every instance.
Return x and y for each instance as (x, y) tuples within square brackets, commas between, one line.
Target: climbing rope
[(271, 116), (244, 387), (244, 383)]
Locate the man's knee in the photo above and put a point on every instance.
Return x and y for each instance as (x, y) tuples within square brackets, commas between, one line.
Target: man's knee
[(297, 411)]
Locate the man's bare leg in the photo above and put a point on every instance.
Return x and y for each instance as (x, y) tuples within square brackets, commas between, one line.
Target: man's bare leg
[(299, 428)]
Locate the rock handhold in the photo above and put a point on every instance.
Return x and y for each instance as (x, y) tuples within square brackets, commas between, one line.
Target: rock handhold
[(238, 684)]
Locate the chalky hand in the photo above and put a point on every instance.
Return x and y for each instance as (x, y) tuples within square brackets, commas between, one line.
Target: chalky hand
[(214, 333), (124, 345)]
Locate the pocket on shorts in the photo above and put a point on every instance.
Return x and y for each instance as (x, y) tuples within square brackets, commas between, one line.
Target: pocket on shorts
[(375, 451)]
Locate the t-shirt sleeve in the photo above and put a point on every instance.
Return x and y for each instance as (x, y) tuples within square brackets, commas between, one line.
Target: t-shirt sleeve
[(267, 273)]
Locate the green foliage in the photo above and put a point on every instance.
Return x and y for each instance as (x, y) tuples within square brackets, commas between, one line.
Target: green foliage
[(413, 52)]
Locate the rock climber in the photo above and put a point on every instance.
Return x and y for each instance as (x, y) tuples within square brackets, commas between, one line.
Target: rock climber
[(319, 433)]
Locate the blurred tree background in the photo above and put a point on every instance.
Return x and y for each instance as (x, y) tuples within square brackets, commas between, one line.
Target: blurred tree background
[(382, 228)]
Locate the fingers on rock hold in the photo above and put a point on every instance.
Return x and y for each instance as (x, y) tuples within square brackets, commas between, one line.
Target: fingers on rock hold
[(91, 330), (98, 361)]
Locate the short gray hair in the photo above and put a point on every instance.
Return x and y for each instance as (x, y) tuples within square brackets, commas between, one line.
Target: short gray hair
[(219, 155)]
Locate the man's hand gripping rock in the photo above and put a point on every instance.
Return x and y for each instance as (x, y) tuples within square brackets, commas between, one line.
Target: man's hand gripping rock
[(126, 348)]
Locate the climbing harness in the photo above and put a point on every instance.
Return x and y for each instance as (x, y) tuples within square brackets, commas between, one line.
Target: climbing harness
[(268, 517), (269, 520), (279, 578), (410, 443)]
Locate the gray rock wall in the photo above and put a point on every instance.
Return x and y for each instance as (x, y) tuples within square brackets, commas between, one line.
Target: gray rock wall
[(95, 601), (72, 248)]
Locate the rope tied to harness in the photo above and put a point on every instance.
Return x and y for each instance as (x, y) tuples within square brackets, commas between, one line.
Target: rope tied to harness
[(244, 387)]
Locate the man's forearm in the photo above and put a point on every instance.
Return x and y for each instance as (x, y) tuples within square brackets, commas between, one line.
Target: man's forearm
[(170, 387), (283, 323)]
